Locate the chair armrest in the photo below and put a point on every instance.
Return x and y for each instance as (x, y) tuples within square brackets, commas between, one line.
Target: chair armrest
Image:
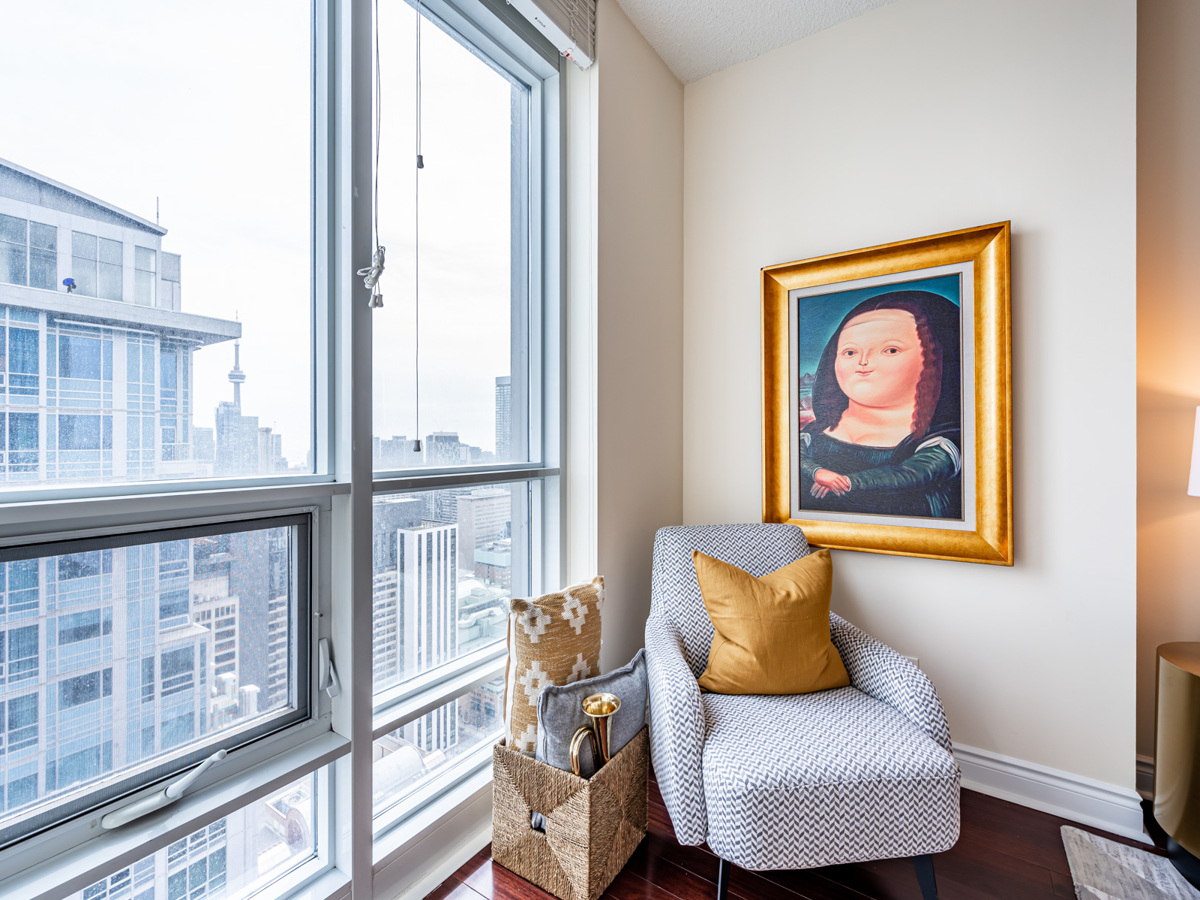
[(676, 731), (880, 672)]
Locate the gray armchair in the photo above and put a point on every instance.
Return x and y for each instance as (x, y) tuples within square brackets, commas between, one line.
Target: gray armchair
[(799, 781)]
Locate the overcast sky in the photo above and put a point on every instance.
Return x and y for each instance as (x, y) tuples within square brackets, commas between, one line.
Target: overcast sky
[(133, 100)]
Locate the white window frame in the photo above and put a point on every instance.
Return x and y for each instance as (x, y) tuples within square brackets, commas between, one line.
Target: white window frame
[(339, 498), (513, 45)]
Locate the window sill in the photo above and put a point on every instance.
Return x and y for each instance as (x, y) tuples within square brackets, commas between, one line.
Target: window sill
[(76, 869)]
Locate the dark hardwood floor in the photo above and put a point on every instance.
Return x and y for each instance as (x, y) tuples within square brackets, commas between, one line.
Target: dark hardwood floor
[(1005, 851)]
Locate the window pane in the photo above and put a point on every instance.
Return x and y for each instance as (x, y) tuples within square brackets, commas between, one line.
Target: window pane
[(445, 565), (114, 661), (474, 360), (43, 237), (109, 251), (145, 262), (109, 282), (411, 755), (12, 229), (12, 263), (171, 195), (236, 856), (83, 246), (43, 269), (13, 248)]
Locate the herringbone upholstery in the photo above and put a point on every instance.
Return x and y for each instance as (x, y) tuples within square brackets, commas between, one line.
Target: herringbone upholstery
[(818, 779), (851, 774)]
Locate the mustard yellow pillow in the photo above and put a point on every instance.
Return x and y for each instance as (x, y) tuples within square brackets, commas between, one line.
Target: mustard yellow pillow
[(771, 634)]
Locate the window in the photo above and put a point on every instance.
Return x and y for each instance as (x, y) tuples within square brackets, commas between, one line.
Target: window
[(78, 627), (14, 250), (188, 478), (145, 262), (460, 524), (248, 848), (96, 266), (28, 253), (19, 718), (146, 671)]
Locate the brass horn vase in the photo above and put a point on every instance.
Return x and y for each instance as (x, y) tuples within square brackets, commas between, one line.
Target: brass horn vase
[(600, 708)]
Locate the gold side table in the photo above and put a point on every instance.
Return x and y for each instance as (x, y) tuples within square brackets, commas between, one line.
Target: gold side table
[(1173, 819)]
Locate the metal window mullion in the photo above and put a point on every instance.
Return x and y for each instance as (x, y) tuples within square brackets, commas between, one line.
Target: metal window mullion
[(351, 121), (387, 719), (148, 511), (412, 483), (428, 793), (107, 492)]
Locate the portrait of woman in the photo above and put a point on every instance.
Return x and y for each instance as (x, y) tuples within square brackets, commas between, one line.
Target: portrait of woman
[(883, 435)]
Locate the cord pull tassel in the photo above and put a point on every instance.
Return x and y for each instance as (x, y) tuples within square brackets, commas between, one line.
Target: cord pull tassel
[(371, 275), (420, 161)]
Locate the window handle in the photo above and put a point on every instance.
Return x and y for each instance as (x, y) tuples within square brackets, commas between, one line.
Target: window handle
[(327, 678), (165, 797)]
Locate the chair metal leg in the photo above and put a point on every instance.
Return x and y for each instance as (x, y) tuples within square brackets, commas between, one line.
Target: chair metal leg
[(723, 880), (924, 866)]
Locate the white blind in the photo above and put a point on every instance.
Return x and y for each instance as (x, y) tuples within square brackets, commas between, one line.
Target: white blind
[(569, 24)]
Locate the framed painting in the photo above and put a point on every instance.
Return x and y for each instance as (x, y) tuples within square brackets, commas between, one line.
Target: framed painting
[(887, 397)]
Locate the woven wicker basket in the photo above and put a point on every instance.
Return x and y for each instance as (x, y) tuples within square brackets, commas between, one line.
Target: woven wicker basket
[(592, 825)]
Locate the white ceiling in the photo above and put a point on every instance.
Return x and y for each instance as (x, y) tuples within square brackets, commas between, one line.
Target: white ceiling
[(698, 37)]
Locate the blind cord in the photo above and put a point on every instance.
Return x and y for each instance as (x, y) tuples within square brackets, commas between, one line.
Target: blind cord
[(372, 273)]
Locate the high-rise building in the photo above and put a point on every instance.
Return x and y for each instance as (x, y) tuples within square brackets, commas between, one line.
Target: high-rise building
[(279, 621), (415, 607), (396, 452), (428, 591), (113, 657), (504, 418), (387, 643), (484, 515), (443, 448), (97, 373)]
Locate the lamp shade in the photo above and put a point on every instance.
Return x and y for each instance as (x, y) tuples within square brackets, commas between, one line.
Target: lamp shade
[(1194, 478)]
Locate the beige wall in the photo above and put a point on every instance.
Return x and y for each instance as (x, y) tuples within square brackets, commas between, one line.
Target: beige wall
[(920, 117), (1168, 326), (639, 310)]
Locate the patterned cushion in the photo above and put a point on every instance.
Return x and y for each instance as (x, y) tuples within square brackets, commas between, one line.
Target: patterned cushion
[(560, 714), (674, 593), (554, 639), (825, 778)]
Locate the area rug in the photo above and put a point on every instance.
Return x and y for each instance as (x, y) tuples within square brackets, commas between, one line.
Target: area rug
[(1105, 870)]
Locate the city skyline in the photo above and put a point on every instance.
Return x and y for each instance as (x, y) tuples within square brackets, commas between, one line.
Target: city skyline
[(136, 655), (243, 225)]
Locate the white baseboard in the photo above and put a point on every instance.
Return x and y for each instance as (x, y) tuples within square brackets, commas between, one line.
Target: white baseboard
[(1095, 803)]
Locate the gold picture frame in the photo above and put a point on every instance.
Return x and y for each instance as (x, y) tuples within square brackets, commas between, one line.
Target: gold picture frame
[(955, 287)]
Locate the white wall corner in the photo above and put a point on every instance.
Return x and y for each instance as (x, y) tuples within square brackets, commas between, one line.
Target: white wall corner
[(580, 550), (1064, 794)]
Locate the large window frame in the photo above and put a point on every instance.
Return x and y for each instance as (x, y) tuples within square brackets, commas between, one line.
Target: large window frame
[(354, 852)]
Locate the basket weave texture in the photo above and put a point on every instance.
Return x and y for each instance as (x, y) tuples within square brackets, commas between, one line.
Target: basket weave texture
[(593, 825)]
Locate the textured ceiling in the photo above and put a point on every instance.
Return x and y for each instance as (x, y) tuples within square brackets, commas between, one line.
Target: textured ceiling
[(698, 37)]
